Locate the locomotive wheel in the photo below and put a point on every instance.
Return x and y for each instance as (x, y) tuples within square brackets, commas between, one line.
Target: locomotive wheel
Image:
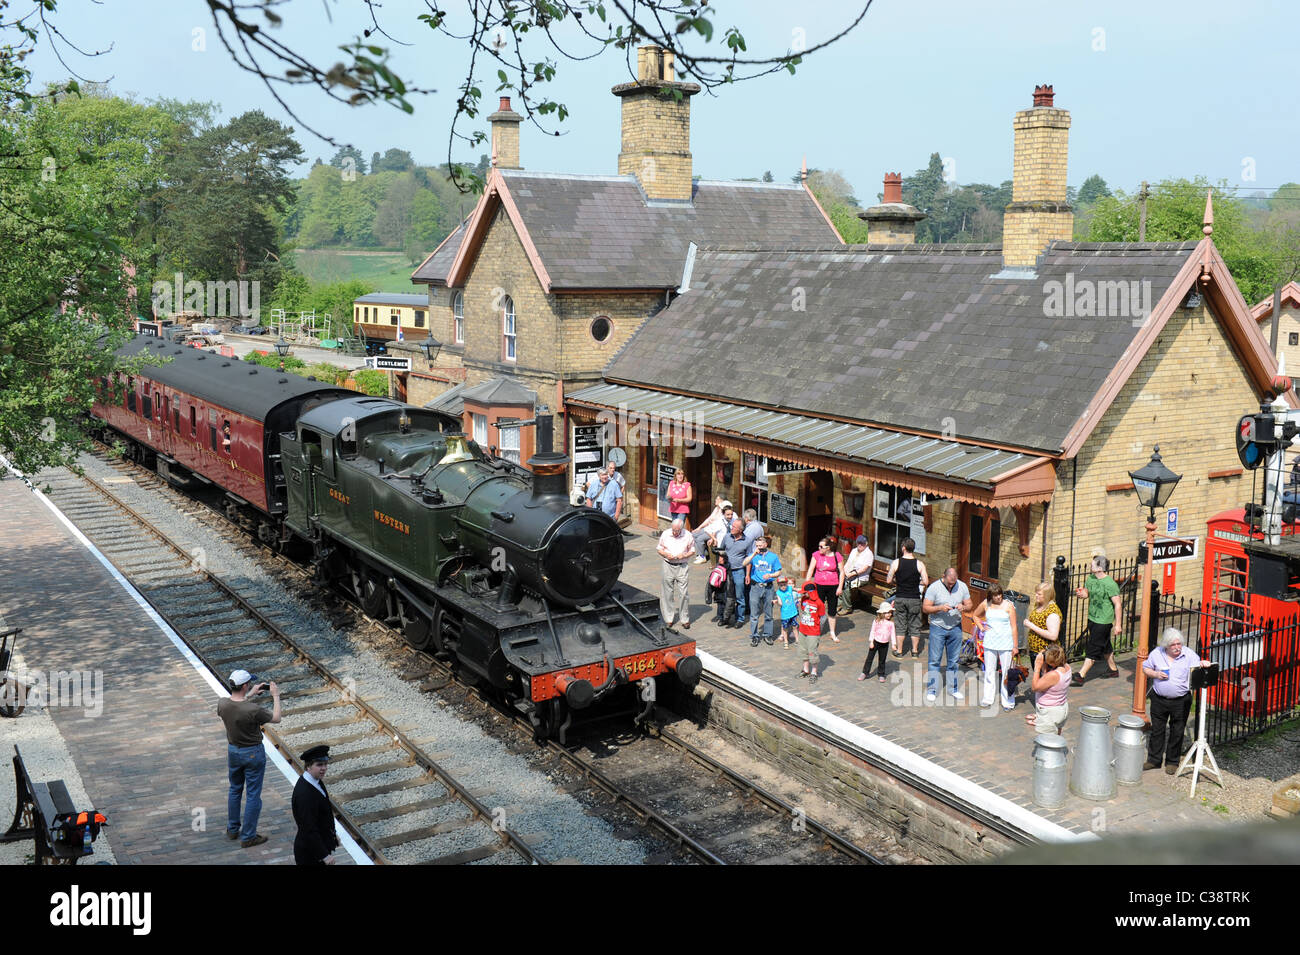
[(373, 596), (418, 632)]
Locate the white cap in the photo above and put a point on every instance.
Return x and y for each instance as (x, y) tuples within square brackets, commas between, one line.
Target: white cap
[(885, 607), (239, 678)]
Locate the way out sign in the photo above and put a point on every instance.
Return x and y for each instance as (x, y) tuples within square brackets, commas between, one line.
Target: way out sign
[(1170, 550), (389, 363)]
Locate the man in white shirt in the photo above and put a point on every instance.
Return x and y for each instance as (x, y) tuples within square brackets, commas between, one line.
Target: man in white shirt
[(857, 573), (711, 528), (676, 547)]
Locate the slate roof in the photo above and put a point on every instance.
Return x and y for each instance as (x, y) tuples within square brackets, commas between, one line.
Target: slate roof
[(602, 231), (450, 401), (936, 339), (503, 391), (433, 270)]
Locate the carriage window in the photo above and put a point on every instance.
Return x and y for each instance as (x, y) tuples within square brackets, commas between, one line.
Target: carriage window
[(146, 406), (225, 436), (394, 316), (158, 407), (176, 419), (419, 318), (212, 434), (194, 422), (130, 394)]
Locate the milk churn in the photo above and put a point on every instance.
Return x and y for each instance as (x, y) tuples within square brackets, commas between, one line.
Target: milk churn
[(1130, 749), (1049, 771), (1093, 776)]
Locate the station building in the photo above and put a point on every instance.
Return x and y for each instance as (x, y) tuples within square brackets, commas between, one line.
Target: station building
[(987, 401), (552, 273), (1288, 331)]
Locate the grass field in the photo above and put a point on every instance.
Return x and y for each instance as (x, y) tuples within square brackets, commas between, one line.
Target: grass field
[(386, 271)]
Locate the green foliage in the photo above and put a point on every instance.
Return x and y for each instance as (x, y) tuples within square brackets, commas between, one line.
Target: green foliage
[(331, 374), (349, 158), (1093, 188), (845, 219), (272, 360), (333, 299), (371, 382), (1175, 211)]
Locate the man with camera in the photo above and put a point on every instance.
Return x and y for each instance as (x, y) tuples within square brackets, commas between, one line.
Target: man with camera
[(245, 758), (1169, 668)]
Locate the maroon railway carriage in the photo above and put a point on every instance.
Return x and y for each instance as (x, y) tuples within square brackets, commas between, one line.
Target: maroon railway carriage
[(215, 419)]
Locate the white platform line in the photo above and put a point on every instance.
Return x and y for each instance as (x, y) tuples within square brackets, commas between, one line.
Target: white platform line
[(219, 689), (841, 729)]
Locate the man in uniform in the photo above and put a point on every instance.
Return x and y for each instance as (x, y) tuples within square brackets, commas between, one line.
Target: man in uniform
[(312, 812), (245, 758)]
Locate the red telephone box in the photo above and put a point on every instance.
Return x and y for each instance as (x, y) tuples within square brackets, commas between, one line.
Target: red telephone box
[(1234, 620)]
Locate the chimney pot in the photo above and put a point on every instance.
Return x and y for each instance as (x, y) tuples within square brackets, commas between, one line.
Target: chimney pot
[(893, 187), (505, 103), (1043, 95)]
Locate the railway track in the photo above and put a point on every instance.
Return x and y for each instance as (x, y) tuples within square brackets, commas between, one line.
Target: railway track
[(700, 809), (391, 795)]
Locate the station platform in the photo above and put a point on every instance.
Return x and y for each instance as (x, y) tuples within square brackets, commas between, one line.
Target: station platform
[(990, 748), (149, 746)]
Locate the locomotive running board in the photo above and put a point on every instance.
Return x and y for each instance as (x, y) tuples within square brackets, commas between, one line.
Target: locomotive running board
[(659, 640)]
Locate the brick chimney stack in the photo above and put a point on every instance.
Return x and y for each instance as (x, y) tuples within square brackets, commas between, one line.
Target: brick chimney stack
[(893, 222), (656, 140), (1038, 213), (505, 136)]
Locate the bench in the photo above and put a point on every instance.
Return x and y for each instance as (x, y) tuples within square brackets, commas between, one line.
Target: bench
[(46, 814)]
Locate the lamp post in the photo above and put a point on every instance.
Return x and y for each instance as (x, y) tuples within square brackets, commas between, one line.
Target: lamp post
[(1154, 483), (282, 349), (430, 346)]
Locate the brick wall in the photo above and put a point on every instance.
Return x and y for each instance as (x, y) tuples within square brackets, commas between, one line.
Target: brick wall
[(1186, 395), (656, 143), (1288, 324), (1042, 150)]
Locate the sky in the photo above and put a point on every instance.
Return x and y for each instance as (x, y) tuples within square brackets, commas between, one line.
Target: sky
[(1155, 89)]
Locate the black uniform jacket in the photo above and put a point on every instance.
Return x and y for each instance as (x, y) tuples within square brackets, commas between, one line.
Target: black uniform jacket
[(311, 811)]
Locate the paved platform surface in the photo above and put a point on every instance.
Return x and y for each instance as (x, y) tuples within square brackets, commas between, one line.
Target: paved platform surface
[(990, 747), (153, 758)]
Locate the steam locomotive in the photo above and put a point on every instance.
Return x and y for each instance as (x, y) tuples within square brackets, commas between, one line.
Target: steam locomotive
[(473, 556)]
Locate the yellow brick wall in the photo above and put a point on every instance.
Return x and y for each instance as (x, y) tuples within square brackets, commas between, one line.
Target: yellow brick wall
[(580, 353), (1042, 145), (656, 143), (1025, 235), (1288, 324), (1186, 395), (505, 144), (895, 233)]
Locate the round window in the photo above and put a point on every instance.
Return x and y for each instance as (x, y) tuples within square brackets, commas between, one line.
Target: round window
[(601, 328)]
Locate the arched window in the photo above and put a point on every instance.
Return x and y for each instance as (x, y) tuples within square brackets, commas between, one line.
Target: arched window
[(508, 328), (458, 314)]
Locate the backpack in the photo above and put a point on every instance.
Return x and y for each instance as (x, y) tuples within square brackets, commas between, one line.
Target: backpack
[(718, 576)]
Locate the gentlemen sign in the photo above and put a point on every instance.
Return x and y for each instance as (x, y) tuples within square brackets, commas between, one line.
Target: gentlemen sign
[(1171, 550), (388, 363)]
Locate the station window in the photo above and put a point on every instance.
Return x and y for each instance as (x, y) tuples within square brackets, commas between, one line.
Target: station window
[(480, 429), (458, 312), (753, 484), (600, 328), (508, 328), (509, 440), (894, 507)]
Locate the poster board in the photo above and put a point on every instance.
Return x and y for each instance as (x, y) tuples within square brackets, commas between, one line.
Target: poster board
[(782, 510), (588, 446), (665, 474)]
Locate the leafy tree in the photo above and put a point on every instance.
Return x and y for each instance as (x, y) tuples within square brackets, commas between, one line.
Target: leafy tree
[(371, 382), (346, 153), (923, 190), (767, 176), (394, 160), (1175, 210), (395, 213), (226, 180), (1093, 188)]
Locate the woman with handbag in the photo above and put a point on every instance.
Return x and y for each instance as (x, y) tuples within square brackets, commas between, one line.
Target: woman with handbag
[(826, 572), (998, 615)]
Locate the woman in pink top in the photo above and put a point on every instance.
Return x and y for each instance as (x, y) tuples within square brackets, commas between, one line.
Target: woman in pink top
[(826, 570), (1051, 683), (882, 635), (680, 495)]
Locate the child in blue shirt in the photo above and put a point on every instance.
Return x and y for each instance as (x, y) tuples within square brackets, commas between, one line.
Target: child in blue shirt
[(786, 602)]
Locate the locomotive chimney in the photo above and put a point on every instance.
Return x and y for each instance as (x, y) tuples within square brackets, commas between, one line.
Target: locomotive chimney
[(550, 467)]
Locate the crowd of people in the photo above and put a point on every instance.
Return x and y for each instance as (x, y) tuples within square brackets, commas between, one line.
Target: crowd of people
[(748, 584)]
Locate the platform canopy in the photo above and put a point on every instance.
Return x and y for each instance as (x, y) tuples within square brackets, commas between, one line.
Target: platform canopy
[(965, 471)]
